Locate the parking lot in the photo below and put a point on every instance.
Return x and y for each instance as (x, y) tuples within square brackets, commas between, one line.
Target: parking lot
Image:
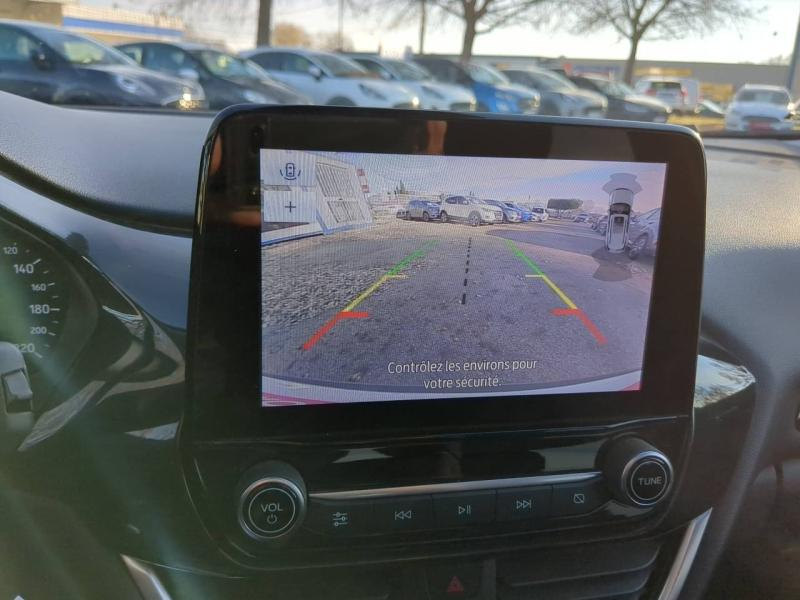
[(432, 307)]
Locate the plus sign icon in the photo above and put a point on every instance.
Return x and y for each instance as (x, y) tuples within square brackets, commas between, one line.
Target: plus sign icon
[(288, 187)]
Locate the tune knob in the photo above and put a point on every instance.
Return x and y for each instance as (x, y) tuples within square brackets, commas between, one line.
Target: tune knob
[(638, 473), (271, 501)]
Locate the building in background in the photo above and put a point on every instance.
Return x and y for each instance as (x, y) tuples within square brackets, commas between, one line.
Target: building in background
[(108, 25)]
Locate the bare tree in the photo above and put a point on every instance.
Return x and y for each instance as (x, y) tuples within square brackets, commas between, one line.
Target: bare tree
[(637, 20), (264, 28), (483, 16), (229, 9), (399, 13)]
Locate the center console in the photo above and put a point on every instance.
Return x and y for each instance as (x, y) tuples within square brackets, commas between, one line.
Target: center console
[(423, 335)]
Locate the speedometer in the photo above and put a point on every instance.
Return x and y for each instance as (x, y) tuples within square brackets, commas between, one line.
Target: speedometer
[(34, 296)]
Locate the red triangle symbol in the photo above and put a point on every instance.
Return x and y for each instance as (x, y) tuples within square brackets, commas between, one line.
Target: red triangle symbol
[(455, 586)]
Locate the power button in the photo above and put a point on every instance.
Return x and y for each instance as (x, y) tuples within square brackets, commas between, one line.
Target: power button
[(270, 508)]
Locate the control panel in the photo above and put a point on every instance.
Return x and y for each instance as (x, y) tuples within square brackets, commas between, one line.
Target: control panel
[(274, 507)]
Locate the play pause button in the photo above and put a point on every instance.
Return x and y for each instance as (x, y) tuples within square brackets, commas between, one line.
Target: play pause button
[(455, 510)]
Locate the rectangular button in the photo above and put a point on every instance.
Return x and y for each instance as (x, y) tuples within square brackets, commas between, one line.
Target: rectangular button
[(339, 518), (464, 508), (570, 499), (403, 513), (520, 504)]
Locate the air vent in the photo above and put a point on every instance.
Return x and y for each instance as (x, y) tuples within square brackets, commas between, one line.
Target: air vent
[(620, 571)]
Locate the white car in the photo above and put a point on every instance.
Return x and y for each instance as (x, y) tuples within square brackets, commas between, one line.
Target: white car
[(761, 107), (432, 94), (681, 94), (539, 213), (469, 210), (331, 79)]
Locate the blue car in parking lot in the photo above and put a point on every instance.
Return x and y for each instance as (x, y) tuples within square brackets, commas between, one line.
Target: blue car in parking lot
[(494, 92), (527, 215), (511, 214), (419, 208)]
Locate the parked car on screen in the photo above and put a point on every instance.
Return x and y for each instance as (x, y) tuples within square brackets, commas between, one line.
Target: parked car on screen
[(601, 225), (761, 107), (559, 95), (643, 233), (539, 213), (419, 208), (493, 91), (226, 79), (510, 213), (526, 213), (681, 94), (331, 78), (432, 94), (48, 64), (623, 102), (469, 210), (581, 218)]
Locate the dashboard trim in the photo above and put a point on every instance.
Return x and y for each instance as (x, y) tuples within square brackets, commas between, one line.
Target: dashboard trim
[(685, 557), (145, 579), (458, 486)]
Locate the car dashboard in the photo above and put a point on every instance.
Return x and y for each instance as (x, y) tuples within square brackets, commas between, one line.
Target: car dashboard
[(97, 210)]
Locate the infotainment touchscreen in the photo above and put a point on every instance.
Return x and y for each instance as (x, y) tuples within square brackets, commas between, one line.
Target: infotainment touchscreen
[(390, 277)]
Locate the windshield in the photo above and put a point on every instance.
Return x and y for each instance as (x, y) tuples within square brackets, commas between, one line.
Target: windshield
[(764, 96), (80, 50), (339, 66), (488, 75), (407, 71), (676, 62), (230, 67)]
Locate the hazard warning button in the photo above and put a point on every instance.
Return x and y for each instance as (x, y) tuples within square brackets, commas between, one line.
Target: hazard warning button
[(455, 583)]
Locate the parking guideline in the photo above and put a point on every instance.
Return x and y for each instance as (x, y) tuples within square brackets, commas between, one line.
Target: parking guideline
[(348, 311), (540, 274), (393, 273), (572, 309)]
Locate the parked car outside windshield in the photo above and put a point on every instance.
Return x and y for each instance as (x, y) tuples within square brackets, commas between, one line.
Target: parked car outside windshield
[(493, 91), (226, 79), (681, 94), (623, 102), (51, 65), (559, 96), (761, 107), (432, 94), (331, 79)]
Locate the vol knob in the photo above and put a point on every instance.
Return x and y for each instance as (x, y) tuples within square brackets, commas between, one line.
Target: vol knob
[(271, 501)]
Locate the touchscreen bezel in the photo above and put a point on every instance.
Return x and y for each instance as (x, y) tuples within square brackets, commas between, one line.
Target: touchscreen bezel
[(224, 329)]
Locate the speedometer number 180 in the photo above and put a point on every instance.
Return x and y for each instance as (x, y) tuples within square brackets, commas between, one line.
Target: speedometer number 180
[(32, 298)]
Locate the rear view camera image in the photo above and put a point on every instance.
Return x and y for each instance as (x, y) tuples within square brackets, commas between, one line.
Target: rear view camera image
[(397, 277)]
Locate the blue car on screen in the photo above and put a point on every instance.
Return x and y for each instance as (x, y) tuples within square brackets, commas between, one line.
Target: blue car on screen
[(419, 208), (527, 215), (511, 214), (494, 92)]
